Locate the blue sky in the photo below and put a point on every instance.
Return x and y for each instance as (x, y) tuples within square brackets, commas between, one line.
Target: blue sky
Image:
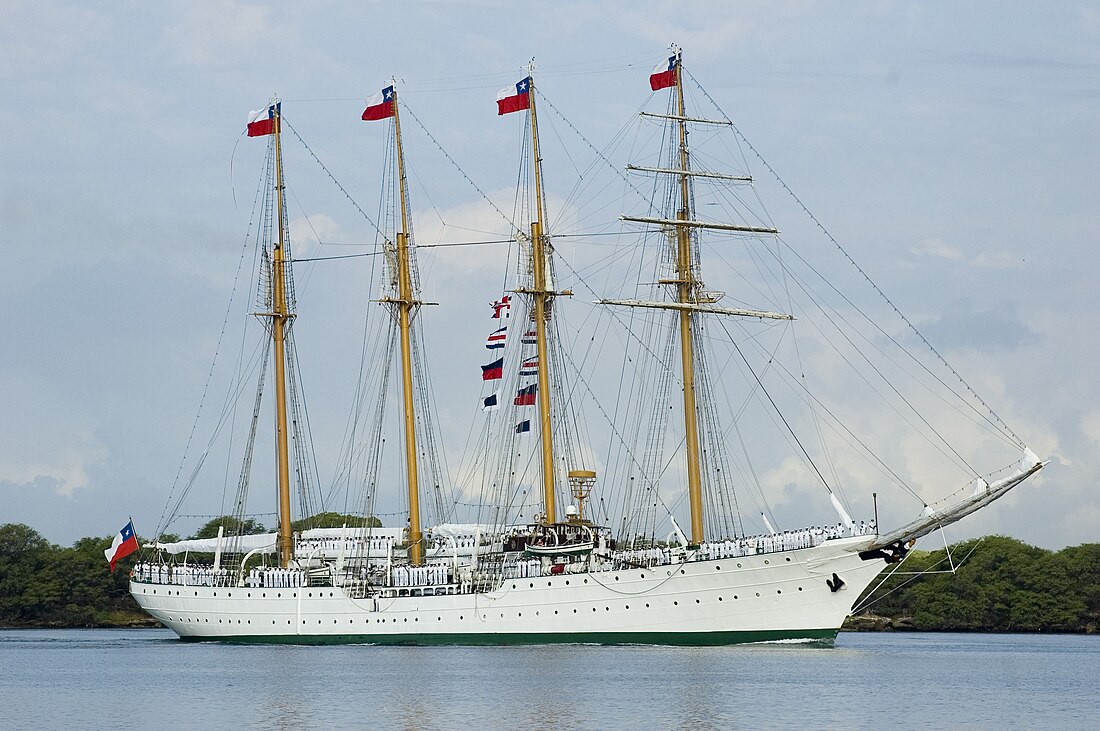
[(953, 149)]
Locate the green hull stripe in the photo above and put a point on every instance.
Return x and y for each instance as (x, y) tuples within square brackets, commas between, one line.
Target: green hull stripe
[(537, 638)]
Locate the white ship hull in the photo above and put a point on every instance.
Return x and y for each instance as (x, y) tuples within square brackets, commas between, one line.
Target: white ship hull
[(763, 597)]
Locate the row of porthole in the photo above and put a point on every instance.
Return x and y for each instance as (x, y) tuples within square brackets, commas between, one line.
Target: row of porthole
[(675, 603)]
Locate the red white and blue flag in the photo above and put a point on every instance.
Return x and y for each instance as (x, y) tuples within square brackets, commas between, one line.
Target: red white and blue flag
[(504, 304), (664, 74), (529, 338), (262, 121), (123, 545), (380, 106), (529, 367), (526, 395), (514, 99), (497, 338), (494, 371)]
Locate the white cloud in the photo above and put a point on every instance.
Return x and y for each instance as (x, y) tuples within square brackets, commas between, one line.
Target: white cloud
[(1090, 425), (938, 248)]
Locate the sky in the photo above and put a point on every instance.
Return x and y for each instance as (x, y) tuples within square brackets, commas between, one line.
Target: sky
[(951, 147)]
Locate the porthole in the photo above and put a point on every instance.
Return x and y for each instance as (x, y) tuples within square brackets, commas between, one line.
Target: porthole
[(642, 576), (757, 593), (574, 611), (800, 588), (738, 565), (628, 606), (518, 614), (734, 596), (549, 583), (696, 601), (717, 567), (229, 594), (766, 562), (682, 571), (647, 605), (513, 586), (675, 604), (616, 578), (439, 619), (555, 611), (196, 593), (567, 582), (719, 598), (788, 559), (249, 595), (586, 581), (593, 609), (778, 591), (460, 616), (607, 609), (532, 585)]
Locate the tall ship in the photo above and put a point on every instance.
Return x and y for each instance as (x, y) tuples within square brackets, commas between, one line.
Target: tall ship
[(559, 541)]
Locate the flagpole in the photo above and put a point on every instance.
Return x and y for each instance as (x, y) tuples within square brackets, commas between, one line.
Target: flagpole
[(542, 301), (405, 305), (280, 317)]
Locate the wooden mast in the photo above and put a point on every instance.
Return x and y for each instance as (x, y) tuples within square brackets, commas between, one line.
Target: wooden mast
[(686, 286), (405, 304), (542, 297), (280, 317)]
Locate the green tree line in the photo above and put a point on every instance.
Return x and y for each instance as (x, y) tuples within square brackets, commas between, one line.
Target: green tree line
[(1002, 585), (42, 584)]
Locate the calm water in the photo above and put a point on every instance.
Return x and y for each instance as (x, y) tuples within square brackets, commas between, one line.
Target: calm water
[(146, 679)]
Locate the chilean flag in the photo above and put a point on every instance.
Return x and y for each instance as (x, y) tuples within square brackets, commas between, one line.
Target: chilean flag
[(494, 371), (526, 395), (513, 100), (123, 545), (664, 74), (497, 339), (262, 121), (380, 106)]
